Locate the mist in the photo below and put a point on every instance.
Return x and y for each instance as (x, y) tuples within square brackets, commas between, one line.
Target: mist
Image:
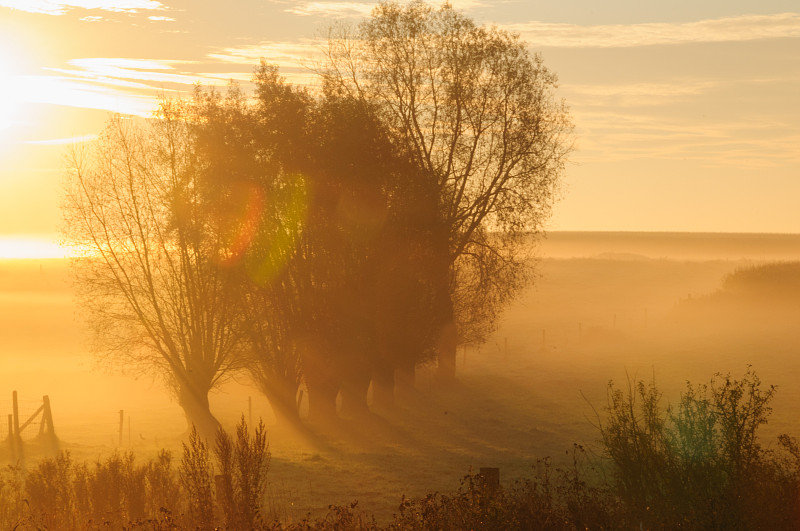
[(604, 306)]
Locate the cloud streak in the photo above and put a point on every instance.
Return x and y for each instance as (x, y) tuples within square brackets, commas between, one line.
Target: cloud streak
[(331, 9), (61, 7), (612, 137), (637, 94), (341, 9), (70, 92), (285, 54), (124, 85), (730, 29)]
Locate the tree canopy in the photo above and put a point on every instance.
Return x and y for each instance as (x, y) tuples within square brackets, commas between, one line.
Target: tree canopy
[(324, 240), (478, 113), (149, 275)]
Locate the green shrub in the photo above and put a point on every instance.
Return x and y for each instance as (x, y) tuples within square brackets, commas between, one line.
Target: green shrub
[(699, 465)]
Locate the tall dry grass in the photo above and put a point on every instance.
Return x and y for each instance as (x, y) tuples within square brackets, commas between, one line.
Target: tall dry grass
[(697, 465)]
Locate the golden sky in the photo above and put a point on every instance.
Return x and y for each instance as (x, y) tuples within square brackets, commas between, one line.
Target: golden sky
[(687, 113)]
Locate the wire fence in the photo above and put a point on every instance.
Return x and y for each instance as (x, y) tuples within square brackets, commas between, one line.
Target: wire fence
[(29, 418)]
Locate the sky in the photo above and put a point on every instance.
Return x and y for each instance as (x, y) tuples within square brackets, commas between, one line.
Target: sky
[(687, 113)]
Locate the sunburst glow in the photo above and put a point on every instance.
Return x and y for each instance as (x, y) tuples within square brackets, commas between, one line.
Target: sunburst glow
[(7, 102), (20, 247)]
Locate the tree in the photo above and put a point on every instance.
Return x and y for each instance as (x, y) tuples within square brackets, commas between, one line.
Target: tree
[(149, 275), (251, 187), (477, 113), (352, 263)]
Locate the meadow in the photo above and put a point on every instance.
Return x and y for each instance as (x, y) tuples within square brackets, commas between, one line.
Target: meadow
[(601, 307)]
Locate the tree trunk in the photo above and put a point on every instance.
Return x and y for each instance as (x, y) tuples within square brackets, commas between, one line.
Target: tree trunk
[(194, 402), (282, 398), (405, 379), (383, 385), (354, 394), (322, 391), (322, 404), (446, 353)]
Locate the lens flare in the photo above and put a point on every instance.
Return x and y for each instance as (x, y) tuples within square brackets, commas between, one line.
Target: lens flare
[(277, 237), (248, 227), (266, 230)]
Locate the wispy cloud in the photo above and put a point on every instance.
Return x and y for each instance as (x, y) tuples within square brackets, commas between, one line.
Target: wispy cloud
[(741, 28), (331, 9), (339, 9), (124, 85), (637, 94), (161, 19), (295, 59), (133, 73), (71, 92), (60, 7), (607, 136), (225, 77), (281, 53)]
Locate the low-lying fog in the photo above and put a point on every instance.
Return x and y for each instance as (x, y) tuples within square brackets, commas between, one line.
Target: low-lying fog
[(602, 306)]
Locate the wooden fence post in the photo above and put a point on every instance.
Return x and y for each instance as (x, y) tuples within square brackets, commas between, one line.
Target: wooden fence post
[(489, 482), (47, 429), (12, 446), (16, 438), (15, 411)]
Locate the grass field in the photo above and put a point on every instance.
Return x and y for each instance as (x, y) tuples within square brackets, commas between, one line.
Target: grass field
[(602, 307)]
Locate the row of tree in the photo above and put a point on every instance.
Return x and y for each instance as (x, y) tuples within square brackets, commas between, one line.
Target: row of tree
[(327, 239)]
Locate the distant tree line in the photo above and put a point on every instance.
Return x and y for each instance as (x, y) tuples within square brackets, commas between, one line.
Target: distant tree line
[(323, 240)]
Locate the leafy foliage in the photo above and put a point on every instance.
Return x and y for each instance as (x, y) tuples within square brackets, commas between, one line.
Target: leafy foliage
[(699, 464)]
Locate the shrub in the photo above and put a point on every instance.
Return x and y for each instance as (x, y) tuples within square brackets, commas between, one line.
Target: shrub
[(12, 497), (195, 475), (553, 498), (243, 466), (50, 492), (699, 465)]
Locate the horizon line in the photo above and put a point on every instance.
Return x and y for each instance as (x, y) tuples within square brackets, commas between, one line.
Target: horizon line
[(46, 247)]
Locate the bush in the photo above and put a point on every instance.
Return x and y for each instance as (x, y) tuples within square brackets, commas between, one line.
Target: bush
[(12, 504), (241, 484), (553, 498), (699, 465), (695, 465), (196, 477), (235, 495)]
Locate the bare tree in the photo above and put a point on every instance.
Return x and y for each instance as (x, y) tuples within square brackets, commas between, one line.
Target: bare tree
[(478, 113), (149, 275)]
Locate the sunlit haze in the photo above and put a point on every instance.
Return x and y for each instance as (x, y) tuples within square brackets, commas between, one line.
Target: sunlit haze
[(447, 289), (686, 114), (29, 247)]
